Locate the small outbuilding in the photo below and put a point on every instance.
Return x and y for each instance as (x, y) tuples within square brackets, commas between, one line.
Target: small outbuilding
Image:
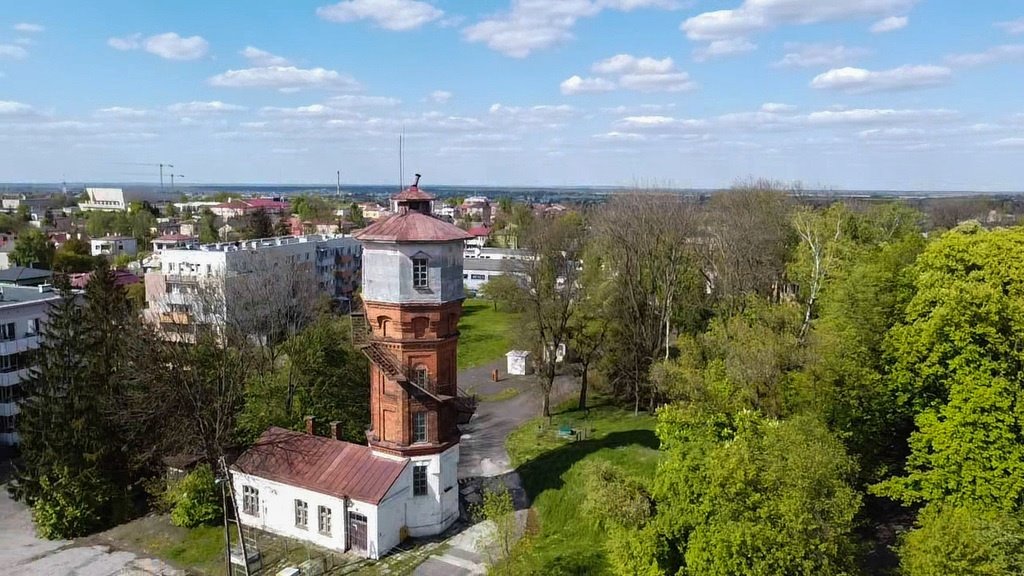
[(519, 363)]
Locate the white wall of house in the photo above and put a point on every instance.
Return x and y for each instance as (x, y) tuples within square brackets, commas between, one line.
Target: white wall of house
[(381, 284), (277, 515), (21, 321), (114, 246), (434, 512)]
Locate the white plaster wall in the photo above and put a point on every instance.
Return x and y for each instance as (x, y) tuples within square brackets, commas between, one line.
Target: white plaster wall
[(387, 272), (277, 513), (433, 513)]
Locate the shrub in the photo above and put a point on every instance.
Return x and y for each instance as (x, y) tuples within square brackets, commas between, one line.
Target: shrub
[(614, 498), (196, 499)]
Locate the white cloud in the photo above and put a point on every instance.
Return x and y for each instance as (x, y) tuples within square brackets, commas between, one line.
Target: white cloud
[(10, 108), (388, 14), (878, 116), (173, 47), (12, 51), (754, 15), (722, 48), (890, 24), (859, 80), (641, 74), (775, 107), (196, 107), (531, 25), (578, 85), (440, 96), (121, 112), (130, 42), (168, 45), (28, 27), (284, 78), (258, 57), (819, 55), (995, 54), (361, 101), (660, 124), (1014, 142), (549, 116), (24, 41), (1012, 26)]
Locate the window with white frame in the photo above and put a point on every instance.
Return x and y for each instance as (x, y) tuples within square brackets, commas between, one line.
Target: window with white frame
[(419, 272), (301, 514), (250, 501), (421, 375), (324, 513), (419, 479), (419, 427)]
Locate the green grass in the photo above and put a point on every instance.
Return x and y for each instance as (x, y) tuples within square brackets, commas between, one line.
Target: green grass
[(506, 394), (567, 542), (483, 333)]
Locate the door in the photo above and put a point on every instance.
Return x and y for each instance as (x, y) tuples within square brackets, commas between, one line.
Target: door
[(356, 532)]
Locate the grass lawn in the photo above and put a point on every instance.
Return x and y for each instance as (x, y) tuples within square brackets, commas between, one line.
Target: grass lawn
[(567, 542), (484, 333)]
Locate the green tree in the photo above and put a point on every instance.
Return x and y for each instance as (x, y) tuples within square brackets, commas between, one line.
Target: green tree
[(33, 249), (958, 364), (196, 499), (10, 224), (260, 225), (322, 376), (747, 495), (208, 227), (70, 472), (356, 215), (957, 541)]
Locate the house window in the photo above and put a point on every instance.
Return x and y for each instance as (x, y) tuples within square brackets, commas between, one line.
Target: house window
[(250, 501), (419, 427), (419, 273), (324, 513), (419, 479), (301, 514), (477, 277), (421, 376), (7, 331)]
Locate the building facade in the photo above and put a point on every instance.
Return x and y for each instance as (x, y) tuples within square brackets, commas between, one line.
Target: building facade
[(408, 328), (23, 312), (113, 246), (177, 278)]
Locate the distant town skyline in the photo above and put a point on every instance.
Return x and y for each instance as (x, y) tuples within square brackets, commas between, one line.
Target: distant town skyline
[(846, 94)]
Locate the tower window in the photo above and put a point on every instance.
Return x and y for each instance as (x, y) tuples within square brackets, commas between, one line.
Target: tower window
[(419, 427), (419, 273), (421, 376), (419, 479)]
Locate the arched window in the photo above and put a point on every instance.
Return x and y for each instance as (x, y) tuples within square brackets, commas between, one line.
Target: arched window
[(383, 322), (421, 376), (420, 267)]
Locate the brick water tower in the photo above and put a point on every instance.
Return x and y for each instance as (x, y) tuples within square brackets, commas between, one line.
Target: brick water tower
[(408, 327)]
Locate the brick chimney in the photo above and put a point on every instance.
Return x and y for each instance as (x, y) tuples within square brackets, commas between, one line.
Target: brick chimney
[(336, 430), (309, 425)]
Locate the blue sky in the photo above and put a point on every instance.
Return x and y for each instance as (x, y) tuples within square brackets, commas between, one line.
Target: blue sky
[(847, 94)]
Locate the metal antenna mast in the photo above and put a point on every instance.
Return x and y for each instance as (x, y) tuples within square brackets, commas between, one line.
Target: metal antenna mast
[(339, 183)]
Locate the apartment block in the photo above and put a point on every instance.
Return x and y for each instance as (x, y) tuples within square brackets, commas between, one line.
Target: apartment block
[(23, 312)]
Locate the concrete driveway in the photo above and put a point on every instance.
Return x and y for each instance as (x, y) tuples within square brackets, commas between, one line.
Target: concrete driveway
[(22, 553)]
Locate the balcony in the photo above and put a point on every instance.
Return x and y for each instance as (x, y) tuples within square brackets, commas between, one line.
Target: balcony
[(23, 344), (181, 318), (9, 409), (13, 377)]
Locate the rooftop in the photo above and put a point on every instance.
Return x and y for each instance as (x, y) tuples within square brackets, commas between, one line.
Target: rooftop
[(22, 274), (320, 464), (12, 295), (411, 227)]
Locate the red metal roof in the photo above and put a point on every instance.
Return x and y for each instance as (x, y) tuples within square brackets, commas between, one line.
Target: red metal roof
[(266, 203), (411, 226), (121, 278), (320, 464), (413, 193), (480, 231)]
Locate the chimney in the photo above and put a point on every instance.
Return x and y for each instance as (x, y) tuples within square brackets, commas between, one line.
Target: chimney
[(336, 430), (416, 182), (309, 425)]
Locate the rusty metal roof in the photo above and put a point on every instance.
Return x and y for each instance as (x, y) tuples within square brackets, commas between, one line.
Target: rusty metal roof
[(412, 226), (413, 193), (321, 464)]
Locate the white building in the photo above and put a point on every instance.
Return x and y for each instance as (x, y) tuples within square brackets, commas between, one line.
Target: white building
[(333, 262), (108, 199), (334, 494), (482, 264), (113, 246), (23, 312)]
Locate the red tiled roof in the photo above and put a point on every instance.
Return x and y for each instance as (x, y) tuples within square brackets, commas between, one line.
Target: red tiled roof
[(413, 193), (320, 464), (480, 231), (266, 203), (411, 227), (121, 278), (233, 205)]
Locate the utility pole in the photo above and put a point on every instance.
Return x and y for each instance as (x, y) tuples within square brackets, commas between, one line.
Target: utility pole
[(339, 183)]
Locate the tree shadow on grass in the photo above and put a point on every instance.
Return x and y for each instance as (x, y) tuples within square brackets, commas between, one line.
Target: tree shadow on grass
[(545, 472)]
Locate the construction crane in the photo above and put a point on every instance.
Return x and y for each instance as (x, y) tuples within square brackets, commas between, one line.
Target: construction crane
[(161, 165), (173, 176)]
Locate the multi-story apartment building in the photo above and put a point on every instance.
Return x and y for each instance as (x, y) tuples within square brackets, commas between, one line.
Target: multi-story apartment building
[(213, 284), (23, 312)]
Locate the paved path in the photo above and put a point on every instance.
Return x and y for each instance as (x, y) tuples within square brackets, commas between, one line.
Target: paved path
[(483, 460), (22, 553)]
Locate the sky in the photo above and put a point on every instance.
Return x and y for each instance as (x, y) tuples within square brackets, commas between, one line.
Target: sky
[(840, 94)]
